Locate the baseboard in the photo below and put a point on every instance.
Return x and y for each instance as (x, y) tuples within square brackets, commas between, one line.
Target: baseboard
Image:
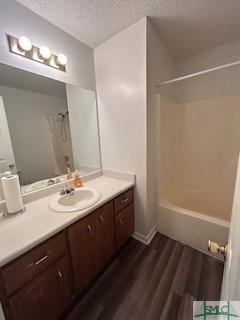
[(145, 239)]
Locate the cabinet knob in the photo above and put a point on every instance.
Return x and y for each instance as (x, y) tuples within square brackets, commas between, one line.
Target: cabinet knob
[(121, 222), (102, 219), (60, 275), (124, 201), (89, 228)]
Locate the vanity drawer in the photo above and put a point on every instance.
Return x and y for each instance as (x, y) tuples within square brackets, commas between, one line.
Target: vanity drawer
[(124, 222), (16, 274), (123, 200)]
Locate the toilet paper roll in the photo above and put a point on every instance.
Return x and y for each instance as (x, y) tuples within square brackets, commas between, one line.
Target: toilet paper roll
[(12, 193), (3, 174)]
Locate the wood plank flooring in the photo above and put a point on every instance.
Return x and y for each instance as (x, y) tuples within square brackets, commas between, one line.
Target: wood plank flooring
[(159, 281)]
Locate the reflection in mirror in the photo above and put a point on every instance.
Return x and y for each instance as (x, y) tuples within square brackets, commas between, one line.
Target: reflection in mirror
[(47, 129), (84, 128)]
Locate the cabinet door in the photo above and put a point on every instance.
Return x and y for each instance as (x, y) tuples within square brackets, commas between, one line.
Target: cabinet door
[(105, 235), (124, 222), (45, 297), (82, 241), (33, 263)]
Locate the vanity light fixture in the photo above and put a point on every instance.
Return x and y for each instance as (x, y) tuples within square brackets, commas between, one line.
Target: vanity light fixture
[(61, 59), (45, 53), (24, 44), (23, 47)]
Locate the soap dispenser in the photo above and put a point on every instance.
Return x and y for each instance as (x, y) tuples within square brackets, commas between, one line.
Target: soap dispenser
[(77, 181)]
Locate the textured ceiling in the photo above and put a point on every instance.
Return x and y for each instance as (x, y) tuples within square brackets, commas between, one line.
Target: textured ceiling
[(186, 26)]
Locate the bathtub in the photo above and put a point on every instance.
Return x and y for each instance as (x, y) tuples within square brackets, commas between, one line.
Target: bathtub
[(191, 228)]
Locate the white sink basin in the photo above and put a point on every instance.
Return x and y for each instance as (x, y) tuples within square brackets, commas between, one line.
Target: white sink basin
[(81, 199)]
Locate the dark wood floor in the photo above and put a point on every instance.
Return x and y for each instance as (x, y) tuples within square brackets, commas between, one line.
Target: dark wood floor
[(158, 281)]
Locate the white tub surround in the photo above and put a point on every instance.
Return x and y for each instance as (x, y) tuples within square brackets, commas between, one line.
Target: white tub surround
[(191, 228), (20, 233)]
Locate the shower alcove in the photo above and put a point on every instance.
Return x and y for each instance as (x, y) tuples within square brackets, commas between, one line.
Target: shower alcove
[(199, 143)]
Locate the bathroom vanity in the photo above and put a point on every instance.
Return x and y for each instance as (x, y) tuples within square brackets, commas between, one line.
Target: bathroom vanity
[(55, 256), (50, 254)]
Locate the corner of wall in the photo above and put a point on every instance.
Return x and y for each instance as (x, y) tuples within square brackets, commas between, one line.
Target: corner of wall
[(160, 66), (120, 65)]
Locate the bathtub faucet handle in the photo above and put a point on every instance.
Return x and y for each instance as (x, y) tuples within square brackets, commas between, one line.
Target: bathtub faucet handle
[(214, 247)]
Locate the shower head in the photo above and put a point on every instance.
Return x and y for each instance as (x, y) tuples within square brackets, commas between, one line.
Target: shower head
[(64, 113)]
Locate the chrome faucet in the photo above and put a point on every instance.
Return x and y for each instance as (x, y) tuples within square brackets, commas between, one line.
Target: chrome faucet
[(67, 189)]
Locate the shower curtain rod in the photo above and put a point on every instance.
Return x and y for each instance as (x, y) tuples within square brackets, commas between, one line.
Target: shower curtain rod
[(191, 75)]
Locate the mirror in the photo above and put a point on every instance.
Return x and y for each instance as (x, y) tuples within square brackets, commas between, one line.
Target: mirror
[(47, 128)]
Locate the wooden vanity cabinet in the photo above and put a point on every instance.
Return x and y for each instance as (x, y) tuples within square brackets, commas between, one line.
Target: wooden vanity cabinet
[(92, 244), (82, 243), (123, 200), (124, 217), (105, 231), (19, 272), (124, 226), (94, 239), (46, 297), (40, 284)]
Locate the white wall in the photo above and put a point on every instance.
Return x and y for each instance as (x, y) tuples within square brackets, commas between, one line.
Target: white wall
[(26, 114), (121, 88), (229, 52), (82, 109), (128, 66), (17, 20)]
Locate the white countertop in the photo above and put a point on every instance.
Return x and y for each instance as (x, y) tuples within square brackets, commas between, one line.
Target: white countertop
[(20, 233)]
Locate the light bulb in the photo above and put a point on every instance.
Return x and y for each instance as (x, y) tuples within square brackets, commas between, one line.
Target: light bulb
[(62, 59), (24, 43), (45, 52)]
